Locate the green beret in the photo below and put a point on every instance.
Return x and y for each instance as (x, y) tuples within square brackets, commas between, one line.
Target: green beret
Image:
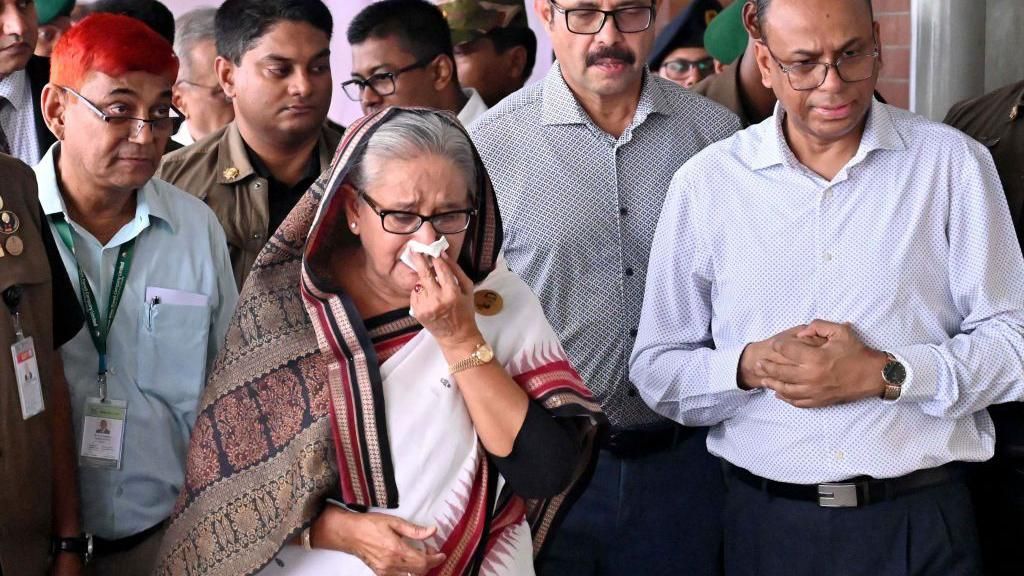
[(50, 10), (471, 19), (726, 38)]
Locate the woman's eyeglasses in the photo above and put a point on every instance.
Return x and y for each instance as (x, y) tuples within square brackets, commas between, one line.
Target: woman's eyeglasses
[(400, 222)]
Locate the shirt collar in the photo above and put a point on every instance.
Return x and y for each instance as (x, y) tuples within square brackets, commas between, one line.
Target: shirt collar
[(150, 201), (474, 107), (261, 169), (14, 88), (233, 163), (880, 133), (560, 105)]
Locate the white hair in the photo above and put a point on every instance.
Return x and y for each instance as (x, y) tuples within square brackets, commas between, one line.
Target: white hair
[(411, 134)]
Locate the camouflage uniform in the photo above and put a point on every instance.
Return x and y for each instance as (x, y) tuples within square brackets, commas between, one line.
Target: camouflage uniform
[(472, 19)]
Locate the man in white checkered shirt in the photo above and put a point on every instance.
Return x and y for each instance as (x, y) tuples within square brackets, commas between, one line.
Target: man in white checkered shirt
[(581, 162)]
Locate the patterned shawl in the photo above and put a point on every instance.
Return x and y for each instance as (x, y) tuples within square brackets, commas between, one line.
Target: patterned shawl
[(293, 412)]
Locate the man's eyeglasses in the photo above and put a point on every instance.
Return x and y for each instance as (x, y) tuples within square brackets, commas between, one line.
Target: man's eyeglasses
[(160, 124), (399, 222), (591, 20), (679, 67), (213, 92), (811, 75), (382, 83)]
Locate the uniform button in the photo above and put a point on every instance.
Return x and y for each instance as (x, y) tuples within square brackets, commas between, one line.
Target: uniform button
[(623, 210), (633, 332), (629, 271)]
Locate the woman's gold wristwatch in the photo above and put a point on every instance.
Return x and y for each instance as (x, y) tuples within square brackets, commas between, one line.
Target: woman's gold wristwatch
[(482, 355)]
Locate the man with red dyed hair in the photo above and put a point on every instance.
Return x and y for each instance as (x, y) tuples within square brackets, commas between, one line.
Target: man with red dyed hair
[(151, 271)]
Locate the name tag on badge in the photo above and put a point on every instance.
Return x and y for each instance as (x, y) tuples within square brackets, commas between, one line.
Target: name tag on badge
[(26, 372), (103, 433)]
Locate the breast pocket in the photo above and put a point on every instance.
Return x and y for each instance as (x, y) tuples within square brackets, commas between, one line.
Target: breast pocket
[(172, 353)]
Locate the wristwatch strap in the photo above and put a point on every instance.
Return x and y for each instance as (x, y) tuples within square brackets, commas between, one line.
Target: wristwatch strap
[(80, 545), (470, 361)]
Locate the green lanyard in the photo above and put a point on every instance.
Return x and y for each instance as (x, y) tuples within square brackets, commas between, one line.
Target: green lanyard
[(98, 329)]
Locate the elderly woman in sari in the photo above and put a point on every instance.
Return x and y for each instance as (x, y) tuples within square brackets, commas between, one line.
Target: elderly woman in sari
[(377, 412)]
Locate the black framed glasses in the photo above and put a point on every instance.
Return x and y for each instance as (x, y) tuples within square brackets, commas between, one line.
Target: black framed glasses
[(678, 67), (811, 75), (382, 83), (159, 124), (591, 20), (399, 222)]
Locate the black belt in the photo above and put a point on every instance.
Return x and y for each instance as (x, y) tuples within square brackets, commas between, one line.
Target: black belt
[(104, 547), (850, 493), (626, 443)]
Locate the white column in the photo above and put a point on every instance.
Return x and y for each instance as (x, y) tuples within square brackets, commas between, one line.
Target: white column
[(949, 53), (1004, 32)]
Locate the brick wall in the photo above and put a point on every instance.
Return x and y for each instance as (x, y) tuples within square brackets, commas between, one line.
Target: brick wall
[(894, 22)]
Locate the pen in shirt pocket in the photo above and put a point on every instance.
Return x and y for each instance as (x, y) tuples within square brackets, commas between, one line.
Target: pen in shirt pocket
[(153, 302)]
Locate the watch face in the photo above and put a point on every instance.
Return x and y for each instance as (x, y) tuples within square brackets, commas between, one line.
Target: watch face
[(894, 373), (485, 354)]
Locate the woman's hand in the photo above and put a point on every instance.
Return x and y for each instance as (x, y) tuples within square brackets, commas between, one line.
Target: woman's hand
[(379, 540), (443, 302)]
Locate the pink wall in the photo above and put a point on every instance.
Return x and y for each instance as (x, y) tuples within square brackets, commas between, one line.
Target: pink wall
[(342, 109)]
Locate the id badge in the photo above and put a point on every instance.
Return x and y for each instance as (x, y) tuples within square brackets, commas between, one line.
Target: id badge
[(103, 433), (26, 372)]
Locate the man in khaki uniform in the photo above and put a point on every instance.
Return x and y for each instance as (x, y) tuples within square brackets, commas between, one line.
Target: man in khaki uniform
[(274, 63), (997, 121), (738, 86), (38, 492)]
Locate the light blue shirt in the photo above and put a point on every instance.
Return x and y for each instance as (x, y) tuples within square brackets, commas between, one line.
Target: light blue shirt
[(158, 354), (911, 243)]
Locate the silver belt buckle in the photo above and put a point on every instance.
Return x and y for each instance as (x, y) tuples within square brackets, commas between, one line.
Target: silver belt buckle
[(837, 495)]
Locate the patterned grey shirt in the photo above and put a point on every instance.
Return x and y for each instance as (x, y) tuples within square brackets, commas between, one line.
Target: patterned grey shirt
[(17, 117), (579, 208)]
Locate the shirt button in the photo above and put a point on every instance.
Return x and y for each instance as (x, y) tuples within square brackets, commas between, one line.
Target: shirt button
[(629, 271), (623, 210), (631, 392), (633, 332), (827, 257), (827, 194), (257, 236), (119, 491)]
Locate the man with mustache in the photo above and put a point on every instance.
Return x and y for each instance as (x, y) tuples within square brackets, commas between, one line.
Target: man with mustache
[(837, 291), (151, 273), (581, 162), (273, 62)]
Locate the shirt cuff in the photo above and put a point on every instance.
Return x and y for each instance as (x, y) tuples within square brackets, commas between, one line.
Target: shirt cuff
[(922, 365), (723, 369)]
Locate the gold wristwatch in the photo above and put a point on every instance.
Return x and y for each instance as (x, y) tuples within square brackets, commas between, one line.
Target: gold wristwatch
[(894, 374), (482, 355)]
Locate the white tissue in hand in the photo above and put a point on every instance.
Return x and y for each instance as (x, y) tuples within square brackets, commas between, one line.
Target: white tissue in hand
[(434, 250)]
